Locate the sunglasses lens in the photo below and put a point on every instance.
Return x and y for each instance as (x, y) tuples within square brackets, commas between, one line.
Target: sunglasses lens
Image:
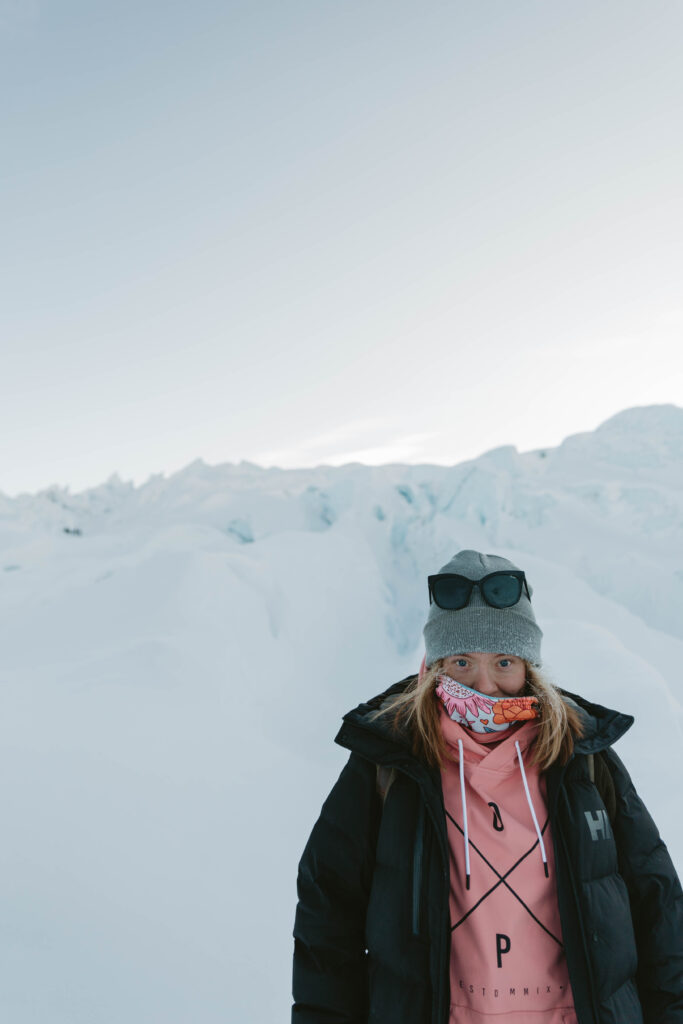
[(502, 591), (450, 593)]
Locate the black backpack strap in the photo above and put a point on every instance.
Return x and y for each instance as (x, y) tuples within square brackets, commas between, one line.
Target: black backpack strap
[(605, 785), (601, 777), (599, 774), (385, 776)]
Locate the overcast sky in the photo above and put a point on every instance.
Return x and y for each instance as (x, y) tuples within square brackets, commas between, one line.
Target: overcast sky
[(298, 232)]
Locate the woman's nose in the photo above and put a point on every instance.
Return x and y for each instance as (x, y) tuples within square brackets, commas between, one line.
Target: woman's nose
[(483, 681)]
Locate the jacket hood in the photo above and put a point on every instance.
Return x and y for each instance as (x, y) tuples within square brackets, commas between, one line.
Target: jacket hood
[(379, 741)]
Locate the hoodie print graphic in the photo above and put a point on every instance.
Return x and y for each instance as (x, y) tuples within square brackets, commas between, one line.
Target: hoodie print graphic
[(507, 957)]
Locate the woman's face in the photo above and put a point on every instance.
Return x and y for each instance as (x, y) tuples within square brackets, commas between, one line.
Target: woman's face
[(494, 675)]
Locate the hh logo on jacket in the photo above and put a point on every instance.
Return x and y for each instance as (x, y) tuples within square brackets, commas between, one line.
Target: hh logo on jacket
[(598, 823)]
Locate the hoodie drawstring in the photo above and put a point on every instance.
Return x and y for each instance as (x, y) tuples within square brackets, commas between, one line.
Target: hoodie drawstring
[(531, 808), (463, 799), (466, 833)]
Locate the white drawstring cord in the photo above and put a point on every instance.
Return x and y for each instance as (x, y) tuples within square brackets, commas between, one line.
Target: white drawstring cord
[(531, 808), (464, 815)]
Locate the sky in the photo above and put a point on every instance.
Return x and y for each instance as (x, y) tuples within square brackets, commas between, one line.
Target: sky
[(315, 232)]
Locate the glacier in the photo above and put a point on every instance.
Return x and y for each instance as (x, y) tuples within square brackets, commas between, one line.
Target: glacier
[(177, 657)]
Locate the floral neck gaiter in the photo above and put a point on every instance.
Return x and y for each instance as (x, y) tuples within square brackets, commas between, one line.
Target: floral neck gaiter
[(480, 713)]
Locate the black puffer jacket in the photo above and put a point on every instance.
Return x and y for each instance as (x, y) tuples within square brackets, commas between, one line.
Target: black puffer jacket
[(372, 928)]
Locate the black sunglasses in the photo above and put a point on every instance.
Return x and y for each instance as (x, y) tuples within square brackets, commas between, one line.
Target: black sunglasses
[(499, 589)]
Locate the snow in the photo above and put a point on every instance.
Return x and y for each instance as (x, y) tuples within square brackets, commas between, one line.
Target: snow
[(177, 658)]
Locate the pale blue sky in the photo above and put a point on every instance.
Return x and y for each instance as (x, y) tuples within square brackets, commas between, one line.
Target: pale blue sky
[(302, 232)]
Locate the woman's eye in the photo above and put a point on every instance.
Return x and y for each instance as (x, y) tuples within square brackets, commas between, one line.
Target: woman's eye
[(461, 662), (505, 659)]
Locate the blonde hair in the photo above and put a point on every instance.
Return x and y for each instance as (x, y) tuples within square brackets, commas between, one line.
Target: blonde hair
[(417, 710)]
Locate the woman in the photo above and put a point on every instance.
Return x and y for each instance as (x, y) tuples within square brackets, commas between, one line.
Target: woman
[(483, 856)]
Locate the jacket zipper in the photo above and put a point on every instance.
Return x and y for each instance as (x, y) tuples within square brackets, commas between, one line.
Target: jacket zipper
[(579, 915), (424, 803), (417, 865), (570, 872), (444, 930)]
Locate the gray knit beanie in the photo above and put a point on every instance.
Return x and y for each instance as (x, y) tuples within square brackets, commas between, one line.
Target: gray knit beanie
[(478, 626)]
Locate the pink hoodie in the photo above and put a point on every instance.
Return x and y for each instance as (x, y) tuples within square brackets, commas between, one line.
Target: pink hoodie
[(507, 960)]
